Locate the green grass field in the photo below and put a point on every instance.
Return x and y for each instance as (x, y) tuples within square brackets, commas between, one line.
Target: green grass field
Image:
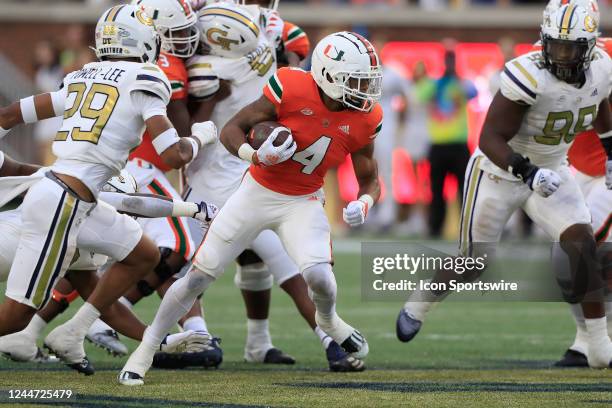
[(468, 354)]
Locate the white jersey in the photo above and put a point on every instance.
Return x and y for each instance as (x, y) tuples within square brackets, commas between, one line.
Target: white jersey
[(101, 123), (558, 111), (215, 170)]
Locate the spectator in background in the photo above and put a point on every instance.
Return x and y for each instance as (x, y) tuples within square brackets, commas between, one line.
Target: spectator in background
[(48, 77), (447, 98), (74, 49)]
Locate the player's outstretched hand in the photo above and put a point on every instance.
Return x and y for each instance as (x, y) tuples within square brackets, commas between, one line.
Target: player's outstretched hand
[(269, 155), (355, 213), (545, 182), (205, 132), (206, 212), (609, 174)]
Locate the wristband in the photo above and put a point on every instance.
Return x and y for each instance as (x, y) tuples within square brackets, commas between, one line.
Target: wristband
[(182, 208), (246, 152), (165, 139), (28, 110), (368, 200), (521, 167), (195, 146)]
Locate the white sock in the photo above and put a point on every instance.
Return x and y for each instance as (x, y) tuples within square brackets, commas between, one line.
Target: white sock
[(195, 323), (35, 328), (420, 302), (581, 341), (126, 302), (176, 303), (325, 339), (84, 318), (258, 340)]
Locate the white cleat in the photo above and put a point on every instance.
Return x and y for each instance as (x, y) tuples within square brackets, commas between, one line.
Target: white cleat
[(137, 365), (66, 344), (109, 341), (349, 338), (19, 346)]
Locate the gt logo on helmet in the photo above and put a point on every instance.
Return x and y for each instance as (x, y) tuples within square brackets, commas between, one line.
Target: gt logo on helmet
[(143, 18), (338, 54), (217, 36)]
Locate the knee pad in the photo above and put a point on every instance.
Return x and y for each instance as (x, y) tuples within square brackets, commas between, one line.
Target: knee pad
[(64, 300), (320, 278), (251, 273), (207, 261)]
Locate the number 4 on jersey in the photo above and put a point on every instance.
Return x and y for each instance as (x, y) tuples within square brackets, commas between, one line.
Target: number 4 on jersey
[(313, 155)]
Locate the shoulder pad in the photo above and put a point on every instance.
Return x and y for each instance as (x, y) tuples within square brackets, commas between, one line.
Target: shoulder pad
[(151, 79), (519, 80)]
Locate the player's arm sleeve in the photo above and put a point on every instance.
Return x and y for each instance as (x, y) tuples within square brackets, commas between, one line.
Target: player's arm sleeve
[(147, 104), (149, 205), (274, 88), (150, 79), (519, 82), (58, 99), (296, 40), (203, 81)]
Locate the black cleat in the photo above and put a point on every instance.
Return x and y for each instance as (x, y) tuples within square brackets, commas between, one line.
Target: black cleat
[(276, 356), (211, 356), (406, 327), (574, 359), (83, 367), (339, 360)]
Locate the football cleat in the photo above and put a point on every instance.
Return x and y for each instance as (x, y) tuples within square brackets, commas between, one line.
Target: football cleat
[(68, 347), (572, 358), (129, 378), (195, 350), (277, 356), (340, 361), (19, 347), (350, 339), (109, 341), (406, 327)]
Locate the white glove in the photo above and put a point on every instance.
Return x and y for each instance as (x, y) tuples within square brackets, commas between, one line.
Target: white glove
[(206, 212), (269, 155), (545, 182), (205, 132), (609, 174), (186, 342), (355, 213), (274, 26)]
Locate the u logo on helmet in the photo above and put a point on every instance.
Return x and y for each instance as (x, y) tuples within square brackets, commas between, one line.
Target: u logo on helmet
[(335, 54), (185, 7), (217, 36), (143, 17), (590, 24)]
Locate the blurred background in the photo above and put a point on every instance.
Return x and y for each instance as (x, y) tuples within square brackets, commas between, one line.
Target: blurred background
[(441, 67)]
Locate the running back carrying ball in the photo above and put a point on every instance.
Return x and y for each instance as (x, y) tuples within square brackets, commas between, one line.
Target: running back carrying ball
[(260, 132)]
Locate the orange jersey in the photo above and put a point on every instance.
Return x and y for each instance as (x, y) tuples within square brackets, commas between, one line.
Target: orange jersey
[(295, 40), (323, 137), (175, 70), (587, 154)]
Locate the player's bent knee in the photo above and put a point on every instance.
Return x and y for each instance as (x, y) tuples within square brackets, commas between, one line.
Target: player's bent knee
[(251, 273), (207, 261), (320, 278)]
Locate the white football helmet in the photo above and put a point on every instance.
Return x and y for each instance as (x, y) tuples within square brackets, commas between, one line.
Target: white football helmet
[(590, 6), (175, 21), (123, 183), (228, 30), (347, 68), (125, 31), (568, 40)]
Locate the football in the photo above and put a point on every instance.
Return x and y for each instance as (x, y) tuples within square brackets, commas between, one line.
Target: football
[(260, 132)]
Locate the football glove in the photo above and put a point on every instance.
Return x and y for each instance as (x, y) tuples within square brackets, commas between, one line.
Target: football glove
[(609, 174), (269, 155), (186, 342), (206, 212), (205, 132), (544, 182), (355, 213)]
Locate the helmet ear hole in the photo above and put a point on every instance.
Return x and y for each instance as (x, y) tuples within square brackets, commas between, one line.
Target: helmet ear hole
[(327, 76)]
